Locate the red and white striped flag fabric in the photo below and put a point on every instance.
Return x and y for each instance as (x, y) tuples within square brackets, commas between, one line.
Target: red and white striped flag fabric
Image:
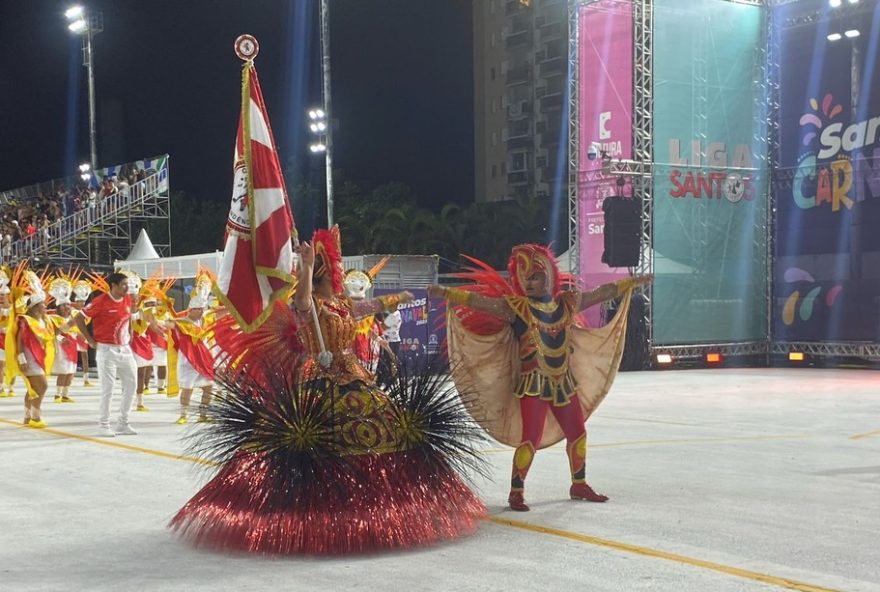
[(258, 256)]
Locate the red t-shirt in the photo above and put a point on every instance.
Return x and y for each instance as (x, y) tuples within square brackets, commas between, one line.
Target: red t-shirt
[(111, 319)]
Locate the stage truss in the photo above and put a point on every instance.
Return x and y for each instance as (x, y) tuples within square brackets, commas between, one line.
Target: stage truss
[(640, 171)]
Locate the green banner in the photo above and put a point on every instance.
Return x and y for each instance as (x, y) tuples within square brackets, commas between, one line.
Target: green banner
[(710, 189)]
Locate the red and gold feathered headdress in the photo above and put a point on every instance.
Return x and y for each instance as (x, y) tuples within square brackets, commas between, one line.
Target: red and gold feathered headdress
[(328, 256), (526, 260)]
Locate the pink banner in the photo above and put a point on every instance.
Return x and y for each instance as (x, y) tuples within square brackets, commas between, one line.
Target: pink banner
[(605, 97)]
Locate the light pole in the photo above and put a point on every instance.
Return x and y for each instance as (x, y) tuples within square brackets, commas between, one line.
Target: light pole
[(88, 24), (85, 172), (328, 113), (320, 128)]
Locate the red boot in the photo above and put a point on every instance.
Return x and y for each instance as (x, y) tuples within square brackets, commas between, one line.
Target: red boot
[(517, 502), (582, 491)]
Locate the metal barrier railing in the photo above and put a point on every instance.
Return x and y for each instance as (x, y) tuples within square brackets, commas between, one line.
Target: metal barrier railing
[(45, 239)]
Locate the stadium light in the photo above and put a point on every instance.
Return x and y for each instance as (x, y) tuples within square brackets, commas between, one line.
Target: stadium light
[(852, 33), (664, 359), (88, 24), (796, 356), (834, 37), (713, 358)]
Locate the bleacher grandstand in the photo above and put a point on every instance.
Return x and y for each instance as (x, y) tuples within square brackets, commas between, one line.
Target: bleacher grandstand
[(69, 221)]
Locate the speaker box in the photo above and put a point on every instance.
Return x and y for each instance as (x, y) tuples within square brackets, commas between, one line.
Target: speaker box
[(623, 231)]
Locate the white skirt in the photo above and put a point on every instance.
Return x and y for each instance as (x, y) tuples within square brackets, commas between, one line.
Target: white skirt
[(62, 365), (141, 362), (188, 377), (33, 369), (160, 356)]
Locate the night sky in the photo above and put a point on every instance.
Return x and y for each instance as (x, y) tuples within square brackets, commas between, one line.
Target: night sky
[(167, 80)]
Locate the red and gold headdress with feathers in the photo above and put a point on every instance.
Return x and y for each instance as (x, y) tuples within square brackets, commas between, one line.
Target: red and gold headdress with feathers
[(328, 256)]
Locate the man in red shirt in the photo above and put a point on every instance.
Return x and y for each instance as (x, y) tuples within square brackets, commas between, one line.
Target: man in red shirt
[(110, 315)]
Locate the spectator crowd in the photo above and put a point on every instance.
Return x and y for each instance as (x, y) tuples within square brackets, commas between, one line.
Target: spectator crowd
[(30, 212)]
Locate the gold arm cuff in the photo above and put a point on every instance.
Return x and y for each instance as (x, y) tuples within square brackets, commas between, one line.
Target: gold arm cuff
[(389, 302), (458, 297)]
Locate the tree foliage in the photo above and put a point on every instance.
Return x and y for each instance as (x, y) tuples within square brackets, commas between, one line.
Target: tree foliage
[(387, 219)]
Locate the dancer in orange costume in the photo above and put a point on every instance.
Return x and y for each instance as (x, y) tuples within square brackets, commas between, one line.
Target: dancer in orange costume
[(69, 340), (31, 342)]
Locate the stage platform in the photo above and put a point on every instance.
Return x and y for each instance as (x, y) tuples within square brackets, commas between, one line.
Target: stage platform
[(720, 480)]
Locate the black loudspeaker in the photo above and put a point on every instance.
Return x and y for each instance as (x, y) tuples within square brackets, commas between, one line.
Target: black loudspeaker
[(623, 231)]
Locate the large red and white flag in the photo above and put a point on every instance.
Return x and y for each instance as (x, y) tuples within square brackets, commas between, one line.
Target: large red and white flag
[(258, 256)]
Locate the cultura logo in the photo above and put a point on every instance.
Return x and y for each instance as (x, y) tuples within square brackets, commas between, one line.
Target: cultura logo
[(795, 275), (833, 166)]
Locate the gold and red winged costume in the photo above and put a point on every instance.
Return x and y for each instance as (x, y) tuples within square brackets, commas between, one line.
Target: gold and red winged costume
[(484, 355), (316, 459)]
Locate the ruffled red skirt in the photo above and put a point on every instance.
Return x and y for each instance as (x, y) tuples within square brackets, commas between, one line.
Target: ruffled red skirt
[(378, 502)]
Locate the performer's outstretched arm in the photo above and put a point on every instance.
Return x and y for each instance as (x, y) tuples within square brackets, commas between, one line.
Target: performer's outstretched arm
[(384, 303), (612, 290), (497, 307)]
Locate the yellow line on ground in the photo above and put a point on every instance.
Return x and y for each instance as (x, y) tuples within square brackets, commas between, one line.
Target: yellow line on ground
[(111, 442), (673, 441), (648, 552), (662, 421), (865, 435), (645, 551)]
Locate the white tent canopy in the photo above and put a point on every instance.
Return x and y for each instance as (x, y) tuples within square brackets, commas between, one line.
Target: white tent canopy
[(143, 248), (182, 267)]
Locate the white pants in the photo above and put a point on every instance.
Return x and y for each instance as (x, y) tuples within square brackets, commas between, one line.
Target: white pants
[(113, 360)]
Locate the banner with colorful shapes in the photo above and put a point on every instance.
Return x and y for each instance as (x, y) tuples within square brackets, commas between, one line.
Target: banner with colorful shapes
[(827, 173)]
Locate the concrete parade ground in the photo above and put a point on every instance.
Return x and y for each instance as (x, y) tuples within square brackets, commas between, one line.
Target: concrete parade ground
[(720, 480)]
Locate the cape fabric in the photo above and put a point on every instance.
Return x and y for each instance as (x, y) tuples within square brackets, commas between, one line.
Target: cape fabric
[(188, 340), (40, 341), (486, 368)]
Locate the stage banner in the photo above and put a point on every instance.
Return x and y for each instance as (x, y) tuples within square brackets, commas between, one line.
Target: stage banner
[(605, 97), (423, 329), (710, 181), (827, 180)]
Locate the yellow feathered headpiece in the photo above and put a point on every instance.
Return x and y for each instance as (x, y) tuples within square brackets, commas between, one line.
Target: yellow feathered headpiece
[(60, 288), (201, 292), (27, 289), (357, 282)]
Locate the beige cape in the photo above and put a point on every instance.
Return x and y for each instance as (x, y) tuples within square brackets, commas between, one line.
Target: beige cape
[(485, 369)]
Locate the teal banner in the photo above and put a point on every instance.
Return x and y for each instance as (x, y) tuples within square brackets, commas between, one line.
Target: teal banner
[(710, 181)]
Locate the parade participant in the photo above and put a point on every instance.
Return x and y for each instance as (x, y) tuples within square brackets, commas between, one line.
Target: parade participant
[(82, 289), (110, 315), (5, 316), (141, 345), (67, 336), (532, 357), (31, 342), (159, 335), (318, 460), (194, 361), (368, 342)]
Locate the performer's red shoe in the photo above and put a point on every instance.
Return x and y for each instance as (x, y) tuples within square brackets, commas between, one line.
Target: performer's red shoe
[(582, 491), (517, 502)]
